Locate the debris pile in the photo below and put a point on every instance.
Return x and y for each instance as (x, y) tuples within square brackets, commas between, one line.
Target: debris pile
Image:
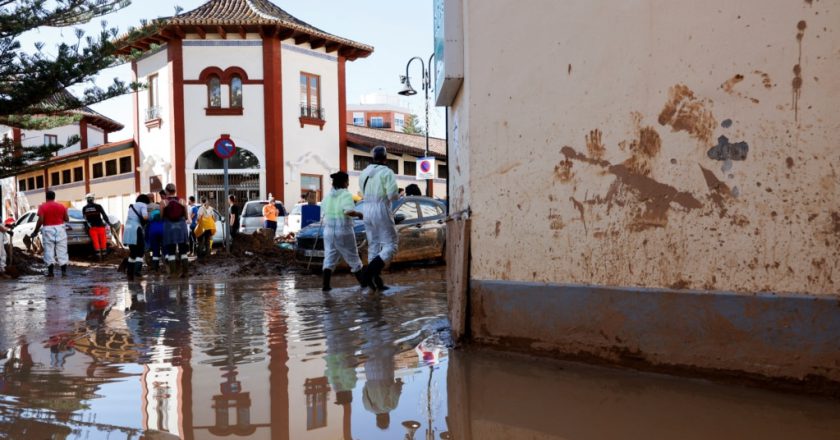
[(22, 263), (256, 255)]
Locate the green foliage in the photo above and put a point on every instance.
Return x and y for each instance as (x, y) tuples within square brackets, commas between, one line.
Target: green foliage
[(31, 83), (15, 158), (411, 126)]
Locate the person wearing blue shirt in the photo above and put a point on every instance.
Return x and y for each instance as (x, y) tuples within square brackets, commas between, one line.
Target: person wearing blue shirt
[(311, 212)]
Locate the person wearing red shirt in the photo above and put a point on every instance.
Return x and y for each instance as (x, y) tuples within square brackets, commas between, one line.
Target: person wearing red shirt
[(51, 218)]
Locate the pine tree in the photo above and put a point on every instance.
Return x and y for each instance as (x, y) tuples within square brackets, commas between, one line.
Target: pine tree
[(411, 126), (30, 82), (32, 85)]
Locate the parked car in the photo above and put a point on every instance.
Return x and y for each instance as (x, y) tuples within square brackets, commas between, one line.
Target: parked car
[(252, 217), (77, 234), (421, 227), (293, 220)]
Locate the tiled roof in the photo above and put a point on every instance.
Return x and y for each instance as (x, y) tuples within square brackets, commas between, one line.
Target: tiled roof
[(64, 99), (395, 142), (253, 13)]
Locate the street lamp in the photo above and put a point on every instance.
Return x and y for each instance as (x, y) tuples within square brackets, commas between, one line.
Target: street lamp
[(409, 91)]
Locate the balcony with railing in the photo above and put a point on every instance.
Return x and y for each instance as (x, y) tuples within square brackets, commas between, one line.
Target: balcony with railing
[(153, 117), (312, 115)]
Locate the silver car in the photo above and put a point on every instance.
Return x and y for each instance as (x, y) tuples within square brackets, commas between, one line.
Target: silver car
[(253, 220)]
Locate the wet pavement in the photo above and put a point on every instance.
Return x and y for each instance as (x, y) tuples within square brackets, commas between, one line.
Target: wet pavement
[(278, 359)]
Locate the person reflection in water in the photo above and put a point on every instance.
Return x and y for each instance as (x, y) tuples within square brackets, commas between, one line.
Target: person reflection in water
[(381, 393), (341, 361)]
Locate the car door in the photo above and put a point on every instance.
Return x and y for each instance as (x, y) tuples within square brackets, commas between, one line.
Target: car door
[(409, 232), (23, 227), (432, 230)]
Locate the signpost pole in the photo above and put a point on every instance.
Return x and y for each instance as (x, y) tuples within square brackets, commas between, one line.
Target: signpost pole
[(226, 220)]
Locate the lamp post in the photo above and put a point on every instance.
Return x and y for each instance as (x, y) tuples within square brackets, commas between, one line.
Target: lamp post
[(409, 91)]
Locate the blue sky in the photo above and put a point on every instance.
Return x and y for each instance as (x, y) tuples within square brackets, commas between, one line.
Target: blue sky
[(398, 30)]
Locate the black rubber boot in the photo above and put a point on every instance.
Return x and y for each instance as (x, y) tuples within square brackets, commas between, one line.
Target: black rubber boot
[(173, 269), (380, 285), (64, 270), (156, 266), (360, 277), (326, 286), (129, 270), (138, 269), (374, 269), (50, 271), (185, 268)]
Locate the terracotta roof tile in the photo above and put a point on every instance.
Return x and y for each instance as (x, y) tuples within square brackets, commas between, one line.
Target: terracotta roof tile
[(251, 12), (396, 142)]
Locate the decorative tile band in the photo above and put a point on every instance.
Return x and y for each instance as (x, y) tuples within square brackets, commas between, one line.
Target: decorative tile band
[(222, 43), (309, 52)]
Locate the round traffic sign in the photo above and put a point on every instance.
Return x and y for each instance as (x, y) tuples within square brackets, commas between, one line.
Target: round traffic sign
[(425, 166), (224, 147)]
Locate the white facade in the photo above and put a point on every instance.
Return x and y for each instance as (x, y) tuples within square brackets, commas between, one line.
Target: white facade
[(308, 149)]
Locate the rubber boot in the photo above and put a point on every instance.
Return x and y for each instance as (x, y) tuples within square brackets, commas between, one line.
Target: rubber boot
[(380, 285), (185, 268), (50, 271), (156, 266), (374, 269), (64, 270), (138, 269), (129, 270), (360, 277), (173, 268), (326, 286)]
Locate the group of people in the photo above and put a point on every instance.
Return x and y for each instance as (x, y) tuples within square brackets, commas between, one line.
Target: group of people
[(379, 188)]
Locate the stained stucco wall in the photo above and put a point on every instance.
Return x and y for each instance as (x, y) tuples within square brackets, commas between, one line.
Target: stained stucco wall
[(652, 143)]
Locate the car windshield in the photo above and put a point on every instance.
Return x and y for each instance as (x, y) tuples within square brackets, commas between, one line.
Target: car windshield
[(75, 214), (254, 209)]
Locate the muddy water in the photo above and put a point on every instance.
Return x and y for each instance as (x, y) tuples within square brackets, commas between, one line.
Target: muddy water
[(280, 360)]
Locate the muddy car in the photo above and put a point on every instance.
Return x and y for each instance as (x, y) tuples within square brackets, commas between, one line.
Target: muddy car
[(77, 235), (252, 217), (421, 226)]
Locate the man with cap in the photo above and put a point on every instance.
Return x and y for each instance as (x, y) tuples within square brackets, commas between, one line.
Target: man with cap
[(337, 215), (96, 219), (379, 186)]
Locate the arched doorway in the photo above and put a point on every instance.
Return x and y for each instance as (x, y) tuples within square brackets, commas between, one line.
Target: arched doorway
[(243, 177)]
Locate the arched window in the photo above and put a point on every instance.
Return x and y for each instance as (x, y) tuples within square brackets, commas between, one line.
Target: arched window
[(236, 91), (214, 92), (241, 160)]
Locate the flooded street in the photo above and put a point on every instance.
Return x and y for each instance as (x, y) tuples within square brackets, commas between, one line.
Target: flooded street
[(279, 359)]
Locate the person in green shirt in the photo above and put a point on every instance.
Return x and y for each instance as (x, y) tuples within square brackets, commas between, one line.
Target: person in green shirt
[(337, 213)]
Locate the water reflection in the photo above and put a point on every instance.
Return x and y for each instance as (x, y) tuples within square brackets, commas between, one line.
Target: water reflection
[(261, 360)]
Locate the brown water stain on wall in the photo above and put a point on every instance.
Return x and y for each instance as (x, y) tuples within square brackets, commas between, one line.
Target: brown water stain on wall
[(796, 84), (594, 145), (729, 88), (643, 150), (656, 197), (720, 192), (765, 79), (555, 221), (579, 207), (563, 171), (685, 112)]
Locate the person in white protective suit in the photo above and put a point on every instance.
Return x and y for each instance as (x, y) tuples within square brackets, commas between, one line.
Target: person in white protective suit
[(379, 186), (337, 212), (3, 232)]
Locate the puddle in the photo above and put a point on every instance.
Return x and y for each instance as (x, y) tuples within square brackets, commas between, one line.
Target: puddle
[(280, 360)]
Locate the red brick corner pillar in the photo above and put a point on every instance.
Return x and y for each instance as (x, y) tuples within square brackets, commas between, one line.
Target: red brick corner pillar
[(175, 55), (273, 100), (342, 114)]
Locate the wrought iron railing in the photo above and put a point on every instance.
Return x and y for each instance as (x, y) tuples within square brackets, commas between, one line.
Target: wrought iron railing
[(153, 113), (314, 112)]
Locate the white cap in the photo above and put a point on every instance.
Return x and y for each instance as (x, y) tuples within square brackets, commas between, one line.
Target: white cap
[(90, 196)]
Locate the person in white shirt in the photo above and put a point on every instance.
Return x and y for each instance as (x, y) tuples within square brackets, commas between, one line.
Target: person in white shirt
[(379, 186)]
